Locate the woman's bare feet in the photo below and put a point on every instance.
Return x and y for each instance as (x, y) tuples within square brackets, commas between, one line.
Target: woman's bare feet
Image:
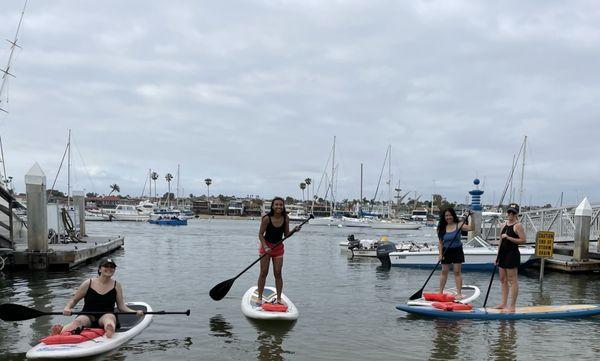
[(110, 330), (56, 330), (499, 307)]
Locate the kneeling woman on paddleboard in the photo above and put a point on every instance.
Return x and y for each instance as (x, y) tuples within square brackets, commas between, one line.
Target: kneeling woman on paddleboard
[(100, 294), (509, 257), (450, 247), (273, 227)]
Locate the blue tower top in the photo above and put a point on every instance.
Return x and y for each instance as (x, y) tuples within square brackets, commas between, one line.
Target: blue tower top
[(476, 196)]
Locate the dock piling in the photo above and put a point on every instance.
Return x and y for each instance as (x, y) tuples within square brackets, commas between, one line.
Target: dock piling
[(583, 219), (37, 218)]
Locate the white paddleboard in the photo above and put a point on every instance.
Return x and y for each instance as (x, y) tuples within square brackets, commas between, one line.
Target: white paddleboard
[(252, 309), (131, 326)]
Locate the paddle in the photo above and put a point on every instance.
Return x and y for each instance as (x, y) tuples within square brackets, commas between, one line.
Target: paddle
[(219, 291), (419, 293), (13, 312)]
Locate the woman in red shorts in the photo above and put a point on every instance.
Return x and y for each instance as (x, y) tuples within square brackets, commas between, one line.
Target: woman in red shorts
[(273, 227)]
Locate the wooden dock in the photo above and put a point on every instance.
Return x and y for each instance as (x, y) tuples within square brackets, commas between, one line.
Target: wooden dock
[(63, 256)]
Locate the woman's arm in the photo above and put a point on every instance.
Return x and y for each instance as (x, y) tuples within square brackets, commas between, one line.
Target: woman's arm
[(261, 232), (440, 248), (121, 306), (520, 232), (79, 294)]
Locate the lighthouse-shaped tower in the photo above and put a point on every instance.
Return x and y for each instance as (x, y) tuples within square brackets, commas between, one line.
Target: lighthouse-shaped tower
[(476, 208)]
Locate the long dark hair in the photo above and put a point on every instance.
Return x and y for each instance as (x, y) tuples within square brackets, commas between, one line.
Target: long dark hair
[(441, 228), (272, 211)]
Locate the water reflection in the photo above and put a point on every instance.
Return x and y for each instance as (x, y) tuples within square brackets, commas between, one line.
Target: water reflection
[(446, 340), (141, 347), (269, 337), (505, 348), (221, 328)]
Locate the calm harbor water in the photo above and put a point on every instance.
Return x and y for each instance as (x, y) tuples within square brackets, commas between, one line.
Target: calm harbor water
[(346, 306)]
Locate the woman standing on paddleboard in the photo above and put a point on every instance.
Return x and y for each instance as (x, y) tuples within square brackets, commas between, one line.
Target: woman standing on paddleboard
[(100, 294), (509, 257), (273, 227), (450, 247)]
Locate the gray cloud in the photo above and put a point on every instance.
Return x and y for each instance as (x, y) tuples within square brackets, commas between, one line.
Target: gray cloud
[(251, 93)]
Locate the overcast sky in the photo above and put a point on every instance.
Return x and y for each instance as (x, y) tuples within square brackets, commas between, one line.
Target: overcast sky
[(251, 94)]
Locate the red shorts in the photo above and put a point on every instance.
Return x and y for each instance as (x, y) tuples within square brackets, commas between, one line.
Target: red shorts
[(276, 251)]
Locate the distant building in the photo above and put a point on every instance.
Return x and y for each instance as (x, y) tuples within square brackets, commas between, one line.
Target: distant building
[(235, 208)]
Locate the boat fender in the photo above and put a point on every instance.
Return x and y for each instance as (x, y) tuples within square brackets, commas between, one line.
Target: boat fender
[(274, 307), (452, 306), (69, 337), (439, 297)]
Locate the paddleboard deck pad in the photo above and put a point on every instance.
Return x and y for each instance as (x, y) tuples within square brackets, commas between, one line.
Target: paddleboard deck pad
[(531, 312), (252, 308), (130, 326)]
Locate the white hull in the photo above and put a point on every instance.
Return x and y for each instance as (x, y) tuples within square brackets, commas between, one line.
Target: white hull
[(392, 225), (94, 347), (325, 221), (130, 217), (479, 258), (251, 309)]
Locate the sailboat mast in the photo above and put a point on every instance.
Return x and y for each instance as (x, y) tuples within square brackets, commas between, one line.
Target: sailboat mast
[(390, 183), (69, 170), (177, 201), (522, 171), (332, 175)]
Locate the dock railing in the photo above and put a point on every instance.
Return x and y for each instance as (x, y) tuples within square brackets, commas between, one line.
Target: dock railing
[(559, 220)]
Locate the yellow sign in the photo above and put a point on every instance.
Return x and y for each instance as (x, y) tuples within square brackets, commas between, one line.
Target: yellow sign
[(544, 244)]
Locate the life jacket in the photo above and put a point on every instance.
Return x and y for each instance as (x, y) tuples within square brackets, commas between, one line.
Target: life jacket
[(452, 306), (274, 307), (67, 337), (439, 297)]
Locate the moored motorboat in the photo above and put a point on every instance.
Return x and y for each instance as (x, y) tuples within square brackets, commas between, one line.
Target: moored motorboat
[(479, 255)]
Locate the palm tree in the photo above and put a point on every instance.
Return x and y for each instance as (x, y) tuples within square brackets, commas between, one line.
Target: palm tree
[(169, 178), (308, 181), (208, 182), (154, 176), (303, 187), (114, 188)]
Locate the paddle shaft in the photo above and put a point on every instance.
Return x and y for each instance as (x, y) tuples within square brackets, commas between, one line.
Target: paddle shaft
[(419, 293), (275, 244)]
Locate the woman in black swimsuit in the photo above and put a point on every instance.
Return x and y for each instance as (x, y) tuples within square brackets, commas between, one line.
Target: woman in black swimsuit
[(509, 257), (100, 294), (273, 227)]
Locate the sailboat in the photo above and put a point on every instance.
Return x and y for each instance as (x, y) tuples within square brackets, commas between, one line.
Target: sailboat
[(331, 220)]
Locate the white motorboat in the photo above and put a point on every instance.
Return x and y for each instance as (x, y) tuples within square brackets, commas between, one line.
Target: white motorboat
[(395, 225), (126, 212), (325, 221), (479, 255), (367, 247)]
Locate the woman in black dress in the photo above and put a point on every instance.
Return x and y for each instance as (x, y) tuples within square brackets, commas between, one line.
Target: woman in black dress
[(509, 257)]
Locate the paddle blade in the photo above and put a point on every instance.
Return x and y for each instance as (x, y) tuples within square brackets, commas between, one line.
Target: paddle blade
[(219, 291), (417, 295), (12, 312)]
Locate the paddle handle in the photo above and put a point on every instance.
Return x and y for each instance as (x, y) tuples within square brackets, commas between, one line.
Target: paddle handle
[(276, 244)]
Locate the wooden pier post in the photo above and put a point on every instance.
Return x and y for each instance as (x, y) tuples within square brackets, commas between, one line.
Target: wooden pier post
[(79, 203), (37, 218), (583, 219)]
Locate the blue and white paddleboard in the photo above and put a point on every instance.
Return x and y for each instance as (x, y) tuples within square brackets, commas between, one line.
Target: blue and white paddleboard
[(531, 312)]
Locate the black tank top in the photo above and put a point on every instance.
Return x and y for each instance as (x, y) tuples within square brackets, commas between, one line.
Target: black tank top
[(95, 302), (507, 245), (274, 234)]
